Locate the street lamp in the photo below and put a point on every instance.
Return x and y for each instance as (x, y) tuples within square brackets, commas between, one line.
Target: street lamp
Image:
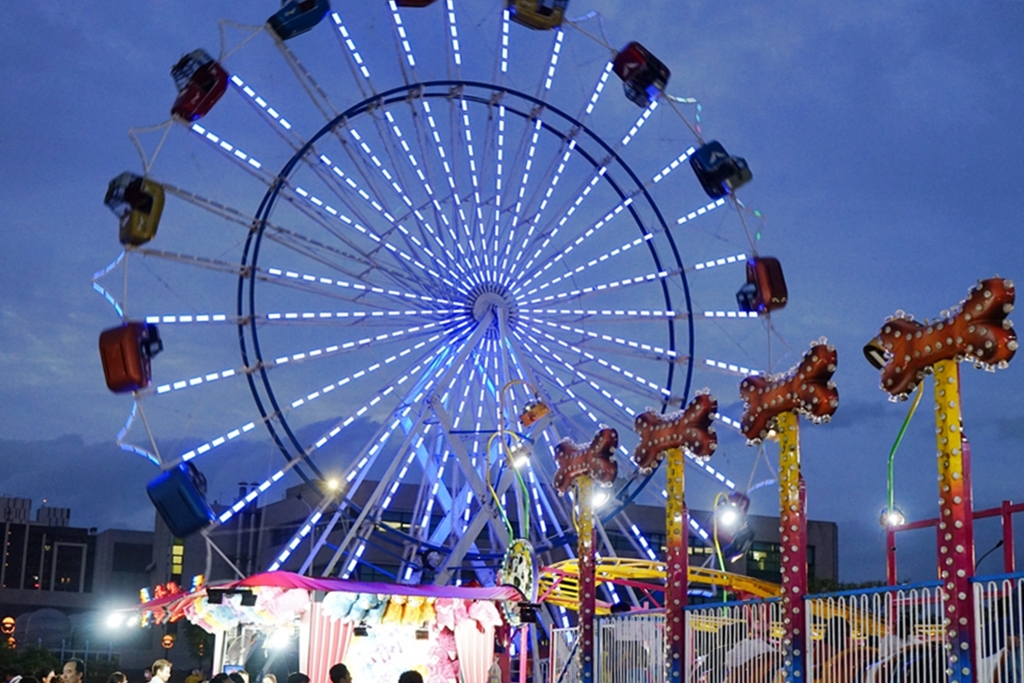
[(733, 536), (891, 515)]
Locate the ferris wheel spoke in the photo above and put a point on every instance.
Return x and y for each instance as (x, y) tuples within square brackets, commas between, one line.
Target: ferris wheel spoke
[(427, 176), (224, 211), (398, 185), (363, 463), (613, 375), (537, 124), (405, 56), (460, 115), (606, 343), (408, 262), (360, 71), (315, 209), (391, 220), (297, 242), (388, 388), (328, 256), (313, 90), (193, 260), (554, 175), (277, 122), (563, 387), (446, 160), (700, 211), (609, 315), (581, 383), (350, 290), (272, 115), (585, 188), (589, 357), (586, 232), (237, 156), (455, 357), (415, 166)]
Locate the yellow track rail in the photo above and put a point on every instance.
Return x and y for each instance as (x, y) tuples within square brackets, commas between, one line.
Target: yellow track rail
[(560, 586)]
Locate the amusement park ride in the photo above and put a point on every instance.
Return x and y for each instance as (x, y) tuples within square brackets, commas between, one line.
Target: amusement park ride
[(453, 276)]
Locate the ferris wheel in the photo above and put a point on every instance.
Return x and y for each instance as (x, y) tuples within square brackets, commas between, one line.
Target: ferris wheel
[(410, 246)]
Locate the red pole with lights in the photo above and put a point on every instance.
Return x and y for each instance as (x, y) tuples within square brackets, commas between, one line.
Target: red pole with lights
[(772, 407), (977, 330)]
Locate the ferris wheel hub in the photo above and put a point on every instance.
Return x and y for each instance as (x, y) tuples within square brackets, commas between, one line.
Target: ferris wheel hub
[(487, 296)]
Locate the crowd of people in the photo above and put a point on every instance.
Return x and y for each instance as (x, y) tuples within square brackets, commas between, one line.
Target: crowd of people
[(160, 672)]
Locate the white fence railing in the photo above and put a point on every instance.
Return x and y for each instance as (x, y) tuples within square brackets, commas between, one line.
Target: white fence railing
[(886, 635), (734, 642), (630, 649), (999, 640), (877, 636), (564, 668)]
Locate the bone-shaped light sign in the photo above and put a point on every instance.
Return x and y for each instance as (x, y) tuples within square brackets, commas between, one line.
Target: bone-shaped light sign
[(806, 389), (978, 331), (596, 460), (690, 429)]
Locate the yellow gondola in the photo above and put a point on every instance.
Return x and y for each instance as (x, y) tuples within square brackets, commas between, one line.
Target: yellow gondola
[(138, 203), (542, 15)]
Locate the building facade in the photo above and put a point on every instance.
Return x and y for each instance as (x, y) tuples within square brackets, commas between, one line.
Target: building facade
[(60, 583)]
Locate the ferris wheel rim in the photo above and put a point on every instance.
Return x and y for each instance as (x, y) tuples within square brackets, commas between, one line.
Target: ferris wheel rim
[(247, 295)]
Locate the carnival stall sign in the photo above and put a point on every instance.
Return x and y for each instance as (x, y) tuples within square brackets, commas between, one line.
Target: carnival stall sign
[(378, 630)]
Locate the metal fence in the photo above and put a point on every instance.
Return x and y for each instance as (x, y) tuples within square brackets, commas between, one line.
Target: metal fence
[(885, 635), (630, 648), (999, 614), (736, 642), (564, 668), (881, 635)]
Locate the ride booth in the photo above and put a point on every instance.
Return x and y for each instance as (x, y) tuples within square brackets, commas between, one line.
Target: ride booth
[(447, 633)]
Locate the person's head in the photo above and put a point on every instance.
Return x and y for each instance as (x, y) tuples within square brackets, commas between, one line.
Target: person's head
[(244, 674), (74, 671), (236, 677), (220, 678), (339, 674), (269, 678), (117, 677), (46, 675), (298, 677), (161, 670), (410, 677)]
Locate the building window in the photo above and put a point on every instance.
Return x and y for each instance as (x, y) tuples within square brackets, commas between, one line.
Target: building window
[(177, 559), (764, 561), (69, 567)]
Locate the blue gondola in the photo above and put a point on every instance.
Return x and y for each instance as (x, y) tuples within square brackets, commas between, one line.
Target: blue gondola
[(718, 172), (297, 16)]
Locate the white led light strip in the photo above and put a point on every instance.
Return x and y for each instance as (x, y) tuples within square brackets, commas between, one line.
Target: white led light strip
[(231, 151), (632, 345), (737, 258), (261, 104), (647, 384), (627, 282), (711, 206), (252, 495), (730, 367)]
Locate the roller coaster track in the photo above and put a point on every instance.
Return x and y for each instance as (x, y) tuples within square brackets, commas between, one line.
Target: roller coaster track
[(559, 583)]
